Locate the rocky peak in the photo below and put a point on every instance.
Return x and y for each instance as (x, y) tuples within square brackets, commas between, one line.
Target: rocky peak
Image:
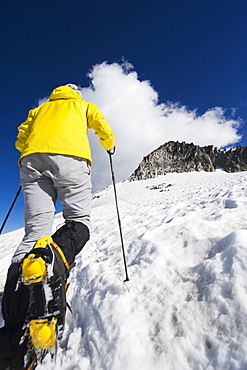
[(174, 156)]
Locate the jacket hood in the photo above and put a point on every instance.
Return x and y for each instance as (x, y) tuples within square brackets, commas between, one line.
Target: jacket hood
[(64, 92)]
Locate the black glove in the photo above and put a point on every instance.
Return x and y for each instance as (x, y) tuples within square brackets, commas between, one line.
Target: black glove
[(111, 151)]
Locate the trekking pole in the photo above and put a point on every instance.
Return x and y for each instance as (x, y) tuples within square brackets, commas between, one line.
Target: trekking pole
[(119, 221), (12, 205)]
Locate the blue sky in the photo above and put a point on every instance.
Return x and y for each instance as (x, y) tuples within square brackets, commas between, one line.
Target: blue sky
[(192, 52)]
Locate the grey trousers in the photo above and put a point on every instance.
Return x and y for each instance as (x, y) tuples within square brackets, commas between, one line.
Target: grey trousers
[(44, 179)]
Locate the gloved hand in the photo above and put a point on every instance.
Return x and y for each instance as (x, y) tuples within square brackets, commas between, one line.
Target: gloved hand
[(111, 151)]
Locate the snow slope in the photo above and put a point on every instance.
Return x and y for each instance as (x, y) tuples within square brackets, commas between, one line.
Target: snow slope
[(185, 305)]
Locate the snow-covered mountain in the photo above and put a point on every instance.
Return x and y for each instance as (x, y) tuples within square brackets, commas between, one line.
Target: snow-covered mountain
[(185, 306)]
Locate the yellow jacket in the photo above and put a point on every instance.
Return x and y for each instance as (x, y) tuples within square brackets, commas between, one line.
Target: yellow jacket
[(60, 126)]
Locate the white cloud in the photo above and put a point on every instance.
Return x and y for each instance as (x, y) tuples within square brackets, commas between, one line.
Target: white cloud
[(141, 123)]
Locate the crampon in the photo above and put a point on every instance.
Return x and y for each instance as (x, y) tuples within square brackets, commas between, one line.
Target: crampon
[(44, 272)]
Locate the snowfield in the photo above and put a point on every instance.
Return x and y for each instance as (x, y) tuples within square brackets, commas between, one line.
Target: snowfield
[(185, 306)]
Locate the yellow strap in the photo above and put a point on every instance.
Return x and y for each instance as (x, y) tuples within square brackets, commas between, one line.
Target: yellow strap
[(61, 254), (30, 367)]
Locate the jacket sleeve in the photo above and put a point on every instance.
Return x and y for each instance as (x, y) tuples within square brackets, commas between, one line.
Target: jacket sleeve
[(96, 121), (24, 130)]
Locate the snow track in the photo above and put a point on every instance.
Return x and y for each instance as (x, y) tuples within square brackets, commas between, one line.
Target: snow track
[(185, 305)]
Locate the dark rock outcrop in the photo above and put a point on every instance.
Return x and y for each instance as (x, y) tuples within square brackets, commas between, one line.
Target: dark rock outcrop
[(182, 157)]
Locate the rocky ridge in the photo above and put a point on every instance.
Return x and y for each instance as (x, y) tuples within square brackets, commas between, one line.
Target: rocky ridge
[(183, 157)]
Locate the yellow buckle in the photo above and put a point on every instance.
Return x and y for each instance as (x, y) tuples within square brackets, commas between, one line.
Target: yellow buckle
[(33, 269), (42, 242), (43, 333)]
